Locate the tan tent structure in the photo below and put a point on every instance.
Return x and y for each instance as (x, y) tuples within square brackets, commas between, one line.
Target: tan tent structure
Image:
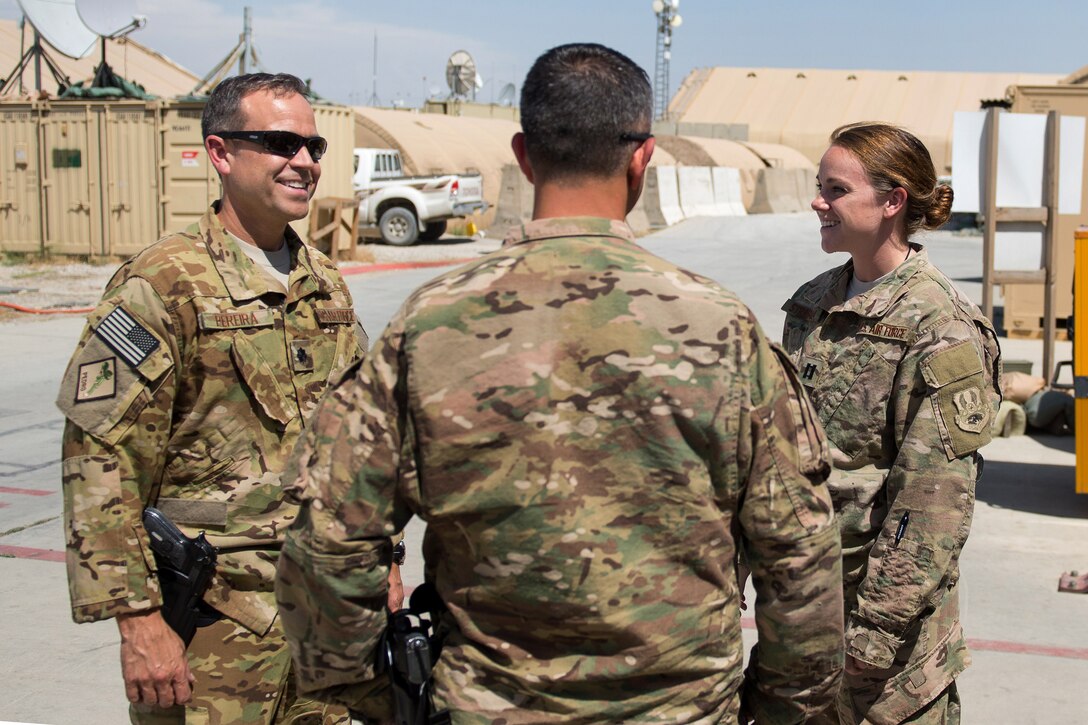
[(800, 107), (437, 144), (159, 75)]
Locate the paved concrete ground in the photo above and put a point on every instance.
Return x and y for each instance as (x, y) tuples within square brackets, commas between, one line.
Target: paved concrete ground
[(1030, 643)]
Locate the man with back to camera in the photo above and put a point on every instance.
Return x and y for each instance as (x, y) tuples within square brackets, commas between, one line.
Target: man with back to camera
[(191, 383), (590, 433)]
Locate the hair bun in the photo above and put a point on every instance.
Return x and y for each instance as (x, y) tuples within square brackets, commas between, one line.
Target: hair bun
[(941, 208)]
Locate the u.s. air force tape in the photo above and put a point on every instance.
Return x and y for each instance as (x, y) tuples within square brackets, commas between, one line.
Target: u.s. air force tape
[(126, 337)]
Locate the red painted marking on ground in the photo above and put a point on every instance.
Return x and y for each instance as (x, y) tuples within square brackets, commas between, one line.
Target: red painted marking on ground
[(25, 552), (398, 266), (26, 491), (998, 645), (1020, 648), (4, 505)]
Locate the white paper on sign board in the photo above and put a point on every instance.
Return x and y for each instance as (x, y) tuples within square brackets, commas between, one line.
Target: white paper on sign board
[(1071, 175), (1021, 150), (1021, 141), (1018, 247), (966, 160), (190, 158)]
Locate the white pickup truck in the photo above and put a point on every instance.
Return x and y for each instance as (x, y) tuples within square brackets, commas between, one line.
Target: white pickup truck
[(410, 208)]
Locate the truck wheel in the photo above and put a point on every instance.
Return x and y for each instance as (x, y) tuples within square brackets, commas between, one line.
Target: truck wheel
[(398, 227), (433, 231)]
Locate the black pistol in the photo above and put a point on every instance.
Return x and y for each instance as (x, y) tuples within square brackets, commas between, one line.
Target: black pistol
[(185, 568), (407, 651)]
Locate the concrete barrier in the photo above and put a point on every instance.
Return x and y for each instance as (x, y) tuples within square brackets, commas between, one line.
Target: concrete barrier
[(728, 197), (696, 190), (515, 200), (784, 190), (661, 197)]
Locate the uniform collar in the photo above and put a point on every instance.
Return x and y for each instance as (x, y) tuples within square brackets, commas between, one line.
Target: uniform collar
[(828, 294), (876, 301), (575, 226), (241, 275)]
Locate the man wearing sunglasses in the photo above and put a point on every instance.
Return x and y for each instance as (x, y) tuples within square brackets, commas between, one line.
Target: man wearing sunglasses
[(610, 432), (194, 377)]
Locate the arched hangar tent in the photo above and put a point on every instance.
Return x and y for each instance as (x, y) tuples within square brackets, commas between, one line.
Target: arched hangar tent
[(159, 75), (799, 108)]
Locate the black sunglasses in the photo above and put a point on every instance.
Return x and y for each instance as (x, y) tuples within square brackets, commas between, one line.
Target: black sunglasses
[(639, 137), (281, 143)]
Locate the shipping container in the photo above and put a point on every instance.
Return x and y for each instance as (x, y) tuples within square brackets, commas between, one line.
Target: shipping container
[(20, 179), (107, 177)]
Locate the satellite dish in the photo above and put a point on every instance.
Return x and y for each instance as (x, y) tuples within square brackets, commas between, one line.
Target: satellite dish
[(58, 22), (461, 74), (110, 18), (506, 98)]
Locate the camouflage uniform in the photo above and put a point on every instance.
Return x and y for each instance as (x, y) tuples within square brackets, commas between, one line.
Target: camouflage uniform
[(589, 432), (187, 390), (905, 380)]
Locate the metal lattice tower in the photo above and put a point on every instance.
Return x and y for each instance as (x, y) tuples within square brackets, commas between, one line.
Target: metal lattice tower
[(667, 19)]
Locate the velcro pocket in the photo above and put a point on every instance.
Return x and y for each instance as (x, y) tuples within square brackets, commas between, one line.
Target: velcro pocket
[(263, 381), (961, 402), (905, 571), (953, 363)]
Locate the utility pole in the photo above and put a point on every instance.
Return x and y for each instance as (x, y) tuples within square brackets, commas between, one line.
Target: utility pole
[(374, 93), (667, 20)]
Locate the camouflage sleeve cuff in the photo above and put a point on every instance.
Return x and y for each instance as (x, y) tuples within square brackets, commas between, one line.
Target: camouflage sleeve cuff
[(868, 644), (98, 611)]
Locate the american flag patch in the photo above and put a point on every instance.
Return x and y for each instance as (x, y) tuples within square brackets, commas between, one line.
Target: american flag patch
[(126, 337)]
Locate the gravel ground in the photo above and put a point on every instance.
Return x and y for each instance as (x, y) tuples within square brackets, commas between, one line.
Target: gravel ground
[(67, 285)]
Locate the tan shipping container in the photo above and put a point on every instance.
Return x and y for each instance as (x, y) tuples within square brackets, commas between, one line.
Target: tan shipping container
[(20, 179), (71, 182), (108, 178), (189, 181)]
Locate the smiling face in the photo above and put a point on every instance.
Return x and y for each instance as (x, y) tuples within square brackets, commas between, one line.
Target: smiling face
[(853, 214), (262, 192)]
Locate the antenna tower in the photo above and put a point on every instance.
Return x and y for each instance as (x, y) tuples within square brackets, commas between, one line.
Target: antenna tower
[(244, 53), (668, 19)]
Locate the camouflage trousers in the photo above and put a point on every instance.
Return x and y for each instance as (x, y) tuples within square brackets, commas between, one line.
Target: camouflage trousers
[(241, 679), (944, 710)]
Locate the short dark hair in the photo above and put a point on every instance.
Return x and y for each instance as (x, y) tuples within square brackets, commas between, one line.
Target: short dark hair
[(223, 111), (578, 104)]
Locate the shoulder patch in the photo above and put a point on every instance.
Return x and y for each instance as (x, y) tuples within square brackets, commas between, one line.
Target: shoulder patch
[(96, 380), (126, 337)]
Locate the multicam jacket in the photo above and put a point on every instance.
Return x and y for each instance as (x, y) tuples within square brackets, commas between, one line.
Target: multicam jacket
[(589, 432), (905, 380), (187, 390)]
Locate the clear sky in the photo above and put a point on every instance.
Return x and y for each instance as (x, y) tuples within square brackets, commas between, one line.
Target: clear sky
[(332, 41)]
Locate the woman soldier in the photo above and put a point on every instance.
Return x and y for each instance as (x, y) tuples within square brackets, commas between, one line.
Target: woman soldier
[(903, 371)]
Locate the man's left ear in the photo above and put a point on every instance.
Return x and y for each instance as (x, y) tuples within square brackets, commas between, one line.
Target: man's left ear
[(897, 201), (640, 159)]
